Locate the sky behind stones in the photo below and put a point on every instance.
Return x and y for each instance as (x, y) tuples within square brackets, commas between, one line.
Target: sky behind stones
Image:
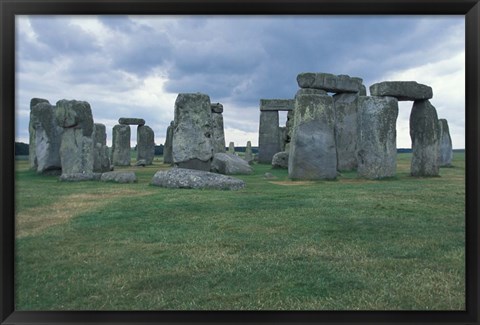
[(135, 66)]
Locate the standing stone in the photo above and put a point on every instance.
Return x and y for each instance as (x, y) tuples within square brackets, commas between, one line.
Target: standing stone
[(167, 148), (231, 148), (101, 160), (268, 136), (192, 145), (312, 149), (282, 133), (248, 153), (445, 154), (145, 144), (121, 145), (346, 130), (45, 136), (218, 131), (280, 160), (424, 132), (76, 149), (377, 137)]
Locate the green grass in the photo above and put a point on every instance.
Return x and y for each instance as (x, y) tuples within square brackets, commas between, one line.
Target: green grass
[(349, 244)]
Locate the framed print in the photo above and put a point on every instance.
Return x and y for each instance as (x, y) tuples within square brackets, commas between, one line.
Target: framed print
[(223, 162)]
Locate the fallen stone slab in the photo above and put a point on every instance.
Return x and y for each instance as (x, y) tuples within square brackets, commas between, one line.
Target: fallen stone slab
[(131, 121), (119, 177), (330, 82), (229, 164), (402, 90), (280, 160), (195, 179), (79, 177)]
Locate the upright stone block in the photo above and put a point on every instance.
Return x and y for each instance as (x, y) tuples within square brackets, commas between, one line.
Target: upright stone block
[(121, 145), (145, 144), (445, 154), (76, 149), (218, 130), (248, 153), (101, 159), (231, 148), (346, 130), (167, 148), (312, 149), (45, 136), (424, 132), (192, 144), (377, 137), (268, 136)]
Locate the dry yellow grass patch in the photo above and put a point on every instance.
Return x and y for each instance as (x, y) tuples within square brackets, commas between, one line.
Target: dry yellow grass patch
[(34, 221)]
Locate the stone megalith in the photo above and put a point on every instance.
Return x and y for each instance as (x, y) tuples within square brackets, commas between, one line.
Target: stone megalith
[(167, 148), (218, 130), (231, 148), (192, 145), (248, 153), (445, 150), (283, 134), (329, 82), (45, 136), (76, 148), (228, 164), (145, 144), (131, 121), (312, 148), (121, 145), (424, 132), (402, 90), (280, 160), (377, 137), (268, 136), (346, 130), (101, 159)]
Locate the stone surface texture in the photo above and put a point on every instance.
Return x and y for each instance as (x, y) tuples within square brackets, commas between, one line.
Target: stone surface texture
[(228, 164), (346, 130), (312, 153), (44, 136), (330, 82), (101, 159), (167, 148), (248, 153), (280, 160), (121, 145), (231, 148), (145, 144), (119, 177), (277, 104), (424, 132), (218, 130), (76, 148), (217, 108), (131, 121), (445, 150), (268, 136), (376, 137), (195, 179), (192, 145), (402, 90)]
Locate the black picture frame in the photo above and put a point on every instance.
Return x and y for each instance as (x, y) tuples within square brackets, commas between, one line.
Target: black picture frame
[(10, 8)]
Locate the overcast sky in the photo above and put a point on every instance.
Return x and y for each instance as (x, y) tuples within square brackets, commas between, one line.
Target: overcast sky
[(135, 66)]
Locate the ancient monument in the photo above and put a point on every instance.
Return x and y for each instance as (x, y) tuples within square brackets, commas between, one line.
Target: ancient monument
[(218, 130), (167, 148), (121, 142), (101, 159), (121, 145), (248, 153), (445, 151), (231, 148)]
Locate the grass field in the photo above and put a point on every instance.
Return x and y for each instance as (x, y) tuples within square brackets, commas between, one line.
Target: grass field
[(349, 244)]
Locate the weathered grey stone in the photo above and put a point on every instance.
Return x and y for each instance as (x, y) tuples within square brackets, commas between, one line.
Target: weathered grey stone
[(45, 137), (445, 150), (79, 177), (312, 149), (218, 132), (119, 177), (195, 179), (268, 136), (145, 144), (282, 133), (248, 153), (377, 137), (424, 132), (402, 90), (167, 148), (192, 144), (121, 145), (310, 91), (329, 82), (231, 148), (280, 160), (269, 176), (141, 163), (131, 121), (101, 159), (289, 126), (277, 104), (346, 130), (217, 108), (363, 91), (76, 148), (228, 164)]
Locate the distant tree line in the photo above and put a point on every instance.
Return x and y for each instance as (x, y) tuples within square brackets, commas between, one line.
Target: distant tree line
[(21, 149)]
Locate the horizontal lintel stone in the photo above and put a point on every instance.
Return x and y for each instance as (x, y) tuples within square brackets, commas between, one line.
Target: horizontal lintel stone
[(277, 104), (131, 121)]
